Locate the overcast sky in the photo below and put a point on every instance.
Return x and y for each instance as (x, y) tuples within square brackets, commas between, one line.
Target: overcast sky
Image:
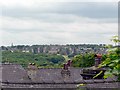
[(67, 22)]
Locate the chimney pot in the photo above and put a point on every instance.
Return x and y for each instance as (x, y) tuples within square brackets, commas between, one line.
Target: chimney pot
[(98, 58), (32, 71), (69, 63), (65, 67)]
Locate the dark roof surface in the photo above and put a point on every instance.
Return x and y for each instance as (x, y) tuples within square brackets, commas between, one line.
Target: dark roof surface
[(13, 75), (54, 76)]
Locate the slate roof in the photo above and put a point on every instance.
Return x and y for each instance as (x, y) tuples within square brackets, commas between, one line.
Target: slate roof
[(54, 76), (13, 75)]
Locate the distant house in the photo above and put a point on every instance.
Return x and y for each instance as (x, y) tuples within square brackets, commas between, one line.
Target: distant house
[(55, 49), (53, 52), (14, 76), (27, 51)]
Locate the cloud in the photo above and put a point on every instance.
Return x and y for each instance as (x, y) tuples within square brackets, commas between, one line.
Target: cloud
[(30, 38), (34, 9), (51, 22), (34, 31)]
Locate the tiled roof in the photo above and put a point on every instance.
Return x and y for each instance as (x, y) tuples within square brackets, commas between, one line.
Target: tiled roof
[(13, 75), (54, 76)]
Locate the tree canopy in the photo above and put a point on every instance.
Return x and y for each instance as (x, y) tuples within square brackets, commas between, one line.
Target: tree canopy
[(42, 60)]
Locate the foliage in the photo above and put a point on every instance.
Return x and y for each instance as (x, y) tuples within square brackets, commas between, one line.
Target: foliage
[(115, 39), (42, 60), (112, 61), (56, 59), (85, 60)]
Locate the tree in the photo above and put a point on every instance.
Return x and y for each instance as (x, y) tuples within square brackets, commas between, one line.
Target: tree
[(25, 58), (112, 61), (86, 60), (115, 39)]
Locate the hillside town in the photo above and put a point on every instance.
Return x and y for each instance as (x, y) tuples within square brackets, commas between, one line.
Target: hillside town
[(58, 49)]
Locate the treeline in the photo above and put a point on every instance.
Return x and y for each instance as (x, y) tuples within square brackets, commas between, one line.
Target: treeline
[(86, 60), (47, 60), (41, 60)]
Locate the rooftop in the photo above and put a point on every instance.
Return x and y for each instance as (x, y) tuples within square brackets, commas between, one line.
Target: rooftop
[(13, 75)]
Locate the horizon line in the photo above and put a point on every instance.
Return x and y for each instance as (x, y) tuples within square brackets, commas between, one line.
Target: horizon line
[(57, 44)]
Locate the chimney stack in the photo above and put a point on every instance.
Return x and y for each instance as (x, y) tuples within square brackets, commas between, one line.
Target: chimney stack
[(65, 67), (98, 58), (32, 71), (69, 63), (65, 72)]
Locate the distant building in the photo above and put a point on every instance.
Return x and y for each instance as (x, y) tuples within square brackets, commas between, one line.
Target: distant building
[(57, 49)]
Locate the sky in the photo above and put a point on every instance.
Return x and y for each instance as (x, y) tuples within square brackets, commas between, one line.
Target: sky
[(30, 22)]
